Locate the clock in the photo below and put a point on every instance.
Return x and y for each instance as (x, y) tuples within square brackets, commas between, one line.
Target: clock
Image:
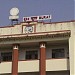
[(28, 29)]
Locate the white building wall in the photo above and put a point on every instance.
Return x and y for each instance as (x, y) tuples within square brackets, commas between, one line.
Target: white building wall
[(33, 66), (72, 54), (53, 27), (5, 67), (40, 27), (72, 49), (28, 66), (17, 29), (56, 64)]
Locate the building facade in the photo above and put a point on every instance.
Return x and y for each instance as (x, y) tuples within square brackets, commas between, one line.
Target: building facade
[(38, 48)]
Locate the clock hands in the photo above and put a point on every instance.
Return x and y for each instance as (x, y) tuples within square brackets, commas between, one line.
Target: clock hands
[(29, 29)]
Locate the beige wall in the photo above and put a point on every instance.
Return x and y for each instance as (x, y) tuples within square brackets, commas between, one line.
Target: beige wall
[(17, 29), (52, 27), (56, 64), (72, 54), (28, 66), (33, 66), (5, 67), (40, 27), (72, 50)]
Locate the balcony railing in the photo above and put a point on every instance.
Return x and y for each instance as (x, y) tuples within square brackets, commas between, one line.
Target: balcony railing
[(33, 65)]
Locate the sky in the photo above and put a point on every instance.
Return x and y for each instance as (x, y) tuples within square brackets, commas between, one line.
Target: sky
[(61, 10)]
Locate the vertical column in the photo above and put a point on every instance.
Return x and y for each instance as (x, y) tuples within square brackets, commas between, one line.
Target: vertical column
[(15, 60), (72, 54), (42, 59), (0, 57)]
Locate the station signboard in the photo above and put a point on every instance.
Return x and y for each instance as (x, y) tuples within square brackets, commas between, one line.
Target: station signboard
[(36, 18)]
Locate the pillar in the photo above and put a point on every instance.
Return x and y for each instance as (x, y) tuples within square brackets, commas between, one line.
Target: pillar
[(42, 61), (15, 60), (72, 54)]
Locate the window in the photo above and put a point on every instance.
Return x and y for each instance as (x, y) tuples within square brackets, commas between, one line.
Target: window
[(58, 53), (31, 54), (6, 56)]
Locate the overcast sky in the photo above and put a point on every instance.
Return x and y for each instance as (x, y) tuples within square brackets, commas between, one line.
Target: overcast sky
[(61, 10)]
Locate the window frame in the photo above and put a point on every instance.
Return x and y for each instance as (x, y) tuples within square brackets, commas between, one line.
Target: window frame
[(6, 56), (30, 54), (59, 53)]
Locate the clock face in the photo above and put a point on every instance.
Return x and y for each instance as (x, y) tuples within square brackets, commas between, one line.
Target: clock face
[(28, 29)]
